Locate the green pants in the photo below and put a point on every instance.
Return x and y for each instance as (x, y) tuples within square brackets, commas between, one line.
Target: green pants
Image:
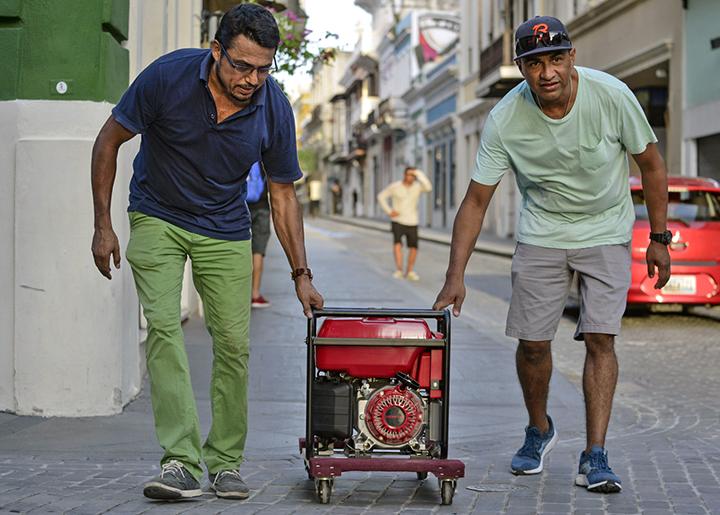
[(222, 272)]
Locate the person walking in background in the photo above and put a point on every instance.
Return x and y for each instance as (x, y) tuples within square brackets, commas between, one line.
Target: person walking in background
[(315, 196), (205, 115), (565, 131), (400, 201), (259, 206), (337, 197)]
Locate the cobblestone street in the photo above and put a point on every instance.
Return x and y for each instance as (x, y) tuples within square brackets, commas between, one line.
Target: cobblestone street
[(664, 438)]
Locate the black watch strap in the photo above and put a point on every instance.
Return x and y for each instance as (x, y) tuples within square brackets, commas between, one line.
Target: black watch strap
[(664, 237), (301, 271)]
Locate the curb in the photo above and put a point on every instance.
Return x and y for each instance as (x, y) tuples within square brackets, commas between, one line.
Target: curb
[(483, 246)]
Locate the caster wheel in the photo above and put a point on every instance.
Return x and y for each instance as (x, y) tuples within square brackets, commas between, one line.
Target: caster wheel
[(421, 475), (323, 489), (447, 490)]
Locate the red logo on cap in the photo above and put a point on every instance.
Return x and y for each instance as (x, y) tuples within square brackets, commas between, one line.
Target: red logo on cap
[(540, 27)]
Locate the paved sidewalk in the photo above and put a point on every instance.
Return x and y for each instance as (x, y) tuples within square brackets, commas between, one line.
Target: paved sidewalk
[(668, 456)]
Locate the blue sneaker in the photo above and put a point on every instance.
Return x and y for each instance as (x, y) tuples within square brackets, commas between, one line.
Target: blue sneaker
[(529, 459), (595, 474)]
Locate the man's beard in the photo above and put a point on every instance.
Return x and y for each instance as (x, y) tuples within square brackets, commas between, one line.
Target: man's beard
[(225, 87)]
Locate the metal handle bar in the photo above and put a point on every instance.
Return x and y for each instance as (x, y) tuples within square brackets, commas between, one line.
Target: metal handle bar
[(386, 312)]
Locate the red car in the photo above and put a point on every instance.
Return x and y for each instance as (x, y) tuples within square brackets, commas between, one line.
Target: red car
[(694, 220)]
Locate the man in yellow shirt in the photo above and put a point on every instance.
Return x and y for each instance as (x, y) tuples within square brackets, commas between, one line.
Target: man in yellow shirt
[(400, 201)]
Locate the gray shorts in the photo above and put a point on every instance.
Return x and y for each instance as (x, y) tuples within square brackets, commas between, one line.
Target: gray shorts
[(260, 229), (541, 279)]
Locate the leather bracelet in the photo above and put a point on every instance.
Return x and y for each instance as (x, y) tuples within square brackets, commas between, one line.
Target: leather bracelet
[(301, 271)]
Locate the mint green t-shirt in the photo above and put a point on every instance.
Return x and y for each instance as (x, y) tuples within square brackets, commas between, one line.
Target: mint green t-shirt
[(573, 172)]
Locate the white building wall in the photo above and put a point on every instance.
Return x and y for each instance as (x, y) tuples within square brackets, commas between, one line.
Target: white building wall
[(69, 339), (8, 131), (76, 334)]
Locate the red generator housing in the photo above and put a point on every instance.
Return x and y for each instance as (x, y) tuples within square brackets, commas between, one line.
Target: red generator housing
[(377, 396)]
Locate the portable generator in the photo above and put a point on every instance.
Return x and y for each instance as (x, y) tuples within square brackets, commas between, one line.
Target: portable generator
[(378, 384)]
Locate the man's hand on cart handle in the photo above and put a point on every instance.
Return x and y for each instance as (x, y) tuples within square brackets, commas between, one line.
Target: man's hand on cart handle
[(308, 296), (453, 292)]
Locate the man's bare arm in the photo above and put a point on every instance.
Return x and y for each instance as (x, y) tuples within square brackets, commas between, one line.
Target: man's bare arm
[(466, 229), (103, 170), (287, 219), (654, 181)]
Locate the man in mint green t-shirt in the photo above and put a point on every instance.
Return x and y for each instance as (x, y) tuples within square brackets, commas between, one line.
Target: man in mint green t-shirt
[(565, 131)]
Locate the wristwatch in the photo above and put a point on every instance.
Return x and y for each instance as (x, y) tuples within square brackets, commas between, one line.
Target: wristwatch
[(664, 237), (301, 271)]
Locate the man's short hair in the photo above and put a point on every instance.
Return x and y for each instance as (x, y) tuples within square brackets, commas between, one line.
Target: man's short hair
[(408, 168), (252, 21)]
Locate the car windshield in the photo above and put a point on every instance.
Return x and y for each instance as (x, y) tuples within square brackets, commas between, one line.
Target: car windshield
[(683, 206)]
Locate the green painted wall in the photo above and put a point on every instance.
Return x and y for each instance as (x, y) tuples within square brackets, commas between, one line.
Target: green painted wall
[(76, 42), (702, 64)]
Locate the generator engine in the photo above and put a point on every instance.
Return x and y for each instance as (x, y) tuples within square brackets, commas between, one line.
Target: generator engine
[(373, 414)]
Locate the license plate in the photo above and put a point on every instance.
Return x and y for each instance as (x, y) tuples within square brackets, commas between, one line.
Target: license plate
[(681, 285)]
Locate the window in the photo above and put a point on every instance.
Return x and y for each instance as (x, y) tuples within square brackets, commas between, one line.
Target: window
[(708, 156), (683, 206), (372, 85), (654, 102), (451, 167), (376, 175), (527, 9), (439, 174)]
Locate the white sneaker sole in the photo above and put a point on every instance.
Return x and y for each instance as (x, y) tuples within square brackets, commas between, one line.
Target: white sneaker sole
[(231, 495), (605, 487), (539, 469), (155, 490)]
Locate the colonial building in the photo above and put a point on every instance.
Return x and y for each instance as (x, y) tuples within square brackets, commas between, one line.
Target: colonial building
[(317, 129), (410, 40), (352, 109)]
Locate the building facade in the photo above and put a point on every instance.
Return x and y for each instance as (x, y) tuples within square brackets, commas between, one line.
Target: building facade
[(407, 102), (414, 44), (317, 128)]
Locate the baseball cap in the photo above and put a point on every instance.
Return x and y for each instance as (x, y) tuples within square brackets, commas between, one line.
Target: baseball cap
[(540, 35)]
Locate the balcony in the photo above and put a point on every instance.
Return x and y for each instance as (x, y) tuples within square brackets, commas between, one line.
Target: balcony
[(392, 115), (498, 72)]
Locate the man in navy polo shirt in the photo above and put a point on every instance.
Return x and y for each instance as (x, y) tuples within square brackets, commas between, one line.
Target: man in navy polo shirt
[(205, 117)]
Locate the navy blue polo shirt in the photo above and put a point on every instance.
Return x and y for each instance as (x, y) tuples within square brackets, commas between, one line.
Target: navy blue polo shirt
[(191, 171)]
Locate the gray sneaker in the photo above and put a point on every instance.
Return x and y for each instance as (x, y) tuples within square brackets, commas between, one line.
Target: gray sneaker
[(229, 485), (174, 482)]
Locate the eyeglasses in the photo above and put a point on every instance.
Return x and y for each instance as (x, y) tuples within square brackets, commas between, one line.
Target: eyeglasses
[(541, 39), (247, 69)]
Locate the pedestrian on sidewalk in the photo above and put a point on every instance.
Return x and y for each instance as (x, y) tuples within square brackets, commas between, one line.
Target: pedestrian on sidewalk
[(205, 116), (565, 131), (400, 201), (315, 194), (259, 206)]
